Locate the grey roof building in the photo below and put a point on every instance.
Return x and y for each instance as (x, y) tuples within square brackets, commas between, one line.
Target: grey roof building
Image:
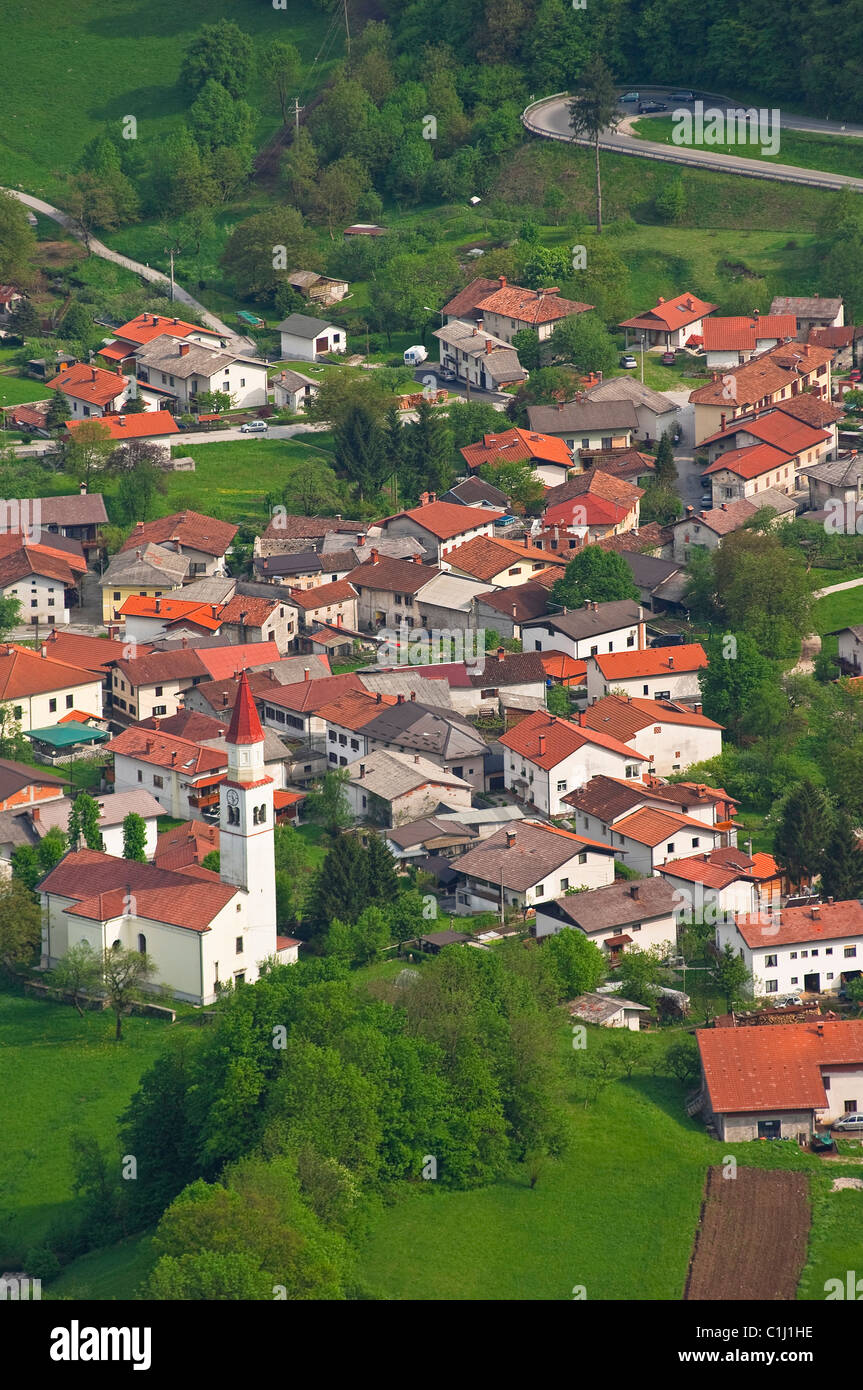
[(426, 729), (148, 565), (582, 623), (583, 416), (303, 326)]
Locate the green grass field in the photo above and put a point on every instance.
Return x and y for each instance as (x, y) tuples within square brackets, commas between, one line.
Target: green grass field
[(832, 154), (71, 71), (16, 390), (618, 1215), (112, 1273), (844, 609), (59, 1074), (234, 477)]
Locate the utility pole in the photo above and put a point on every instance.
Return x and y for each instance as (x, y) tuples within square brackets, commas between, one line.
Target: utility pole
[(347, 31), (296, 115), (172, 251), (642, 359)]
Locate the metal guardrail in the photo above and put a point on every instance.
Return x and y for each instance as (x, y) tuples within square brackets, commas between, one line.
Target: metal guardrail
[(832, 184)]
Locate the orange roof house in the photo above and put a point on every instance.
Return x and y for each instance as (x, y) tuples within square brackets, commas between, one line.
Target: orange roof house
[(519, 445), (190, 530), (671, 321), (139, 425), (90, 386)]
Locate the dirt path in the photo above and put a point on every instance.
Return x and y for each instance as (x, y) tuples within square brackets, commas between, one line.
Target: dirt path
[(751, 1239)]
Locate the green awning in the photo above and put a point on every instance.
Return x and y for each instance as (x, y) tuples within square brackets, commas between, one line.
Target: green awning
[(64, 735)]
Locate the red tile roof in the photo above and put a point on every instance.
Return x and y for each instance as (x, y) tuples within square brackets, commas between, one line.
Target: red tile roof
[(100, 883), (222, 662), (704, 868), (827, 921), (564, 668), (167, 750), (463, 304), (167, 609), (751, 461), (186, 844), (245, 726), (650, 825), (89, 653), (652, 661), (625, 718), (340, 591), (145, 327), (391, 575), (561, 737), (90, 384), (26, 560), (777, 428), (751, 1069), (25, 672), (193, 530), (529, 306), (484, 556), (307, 697), (598, 482), (447, 519), (517, 444), (249, 610), (755, 381), (353, 709), (586, 510), (139, 425), (671, 313), (741, 334)]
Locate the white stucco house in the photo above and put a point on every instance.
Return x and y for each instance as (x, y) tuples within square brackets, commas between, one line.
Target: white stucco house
[(307, 339)]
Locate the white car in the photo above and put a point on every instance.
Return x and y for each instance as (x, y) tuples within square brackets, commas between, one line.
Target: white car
[(254, 427), (852, 1122)]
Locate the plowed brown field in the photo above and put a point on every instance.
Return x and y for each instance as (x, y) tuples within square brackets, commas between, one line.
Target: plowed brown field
[(751, 1239)]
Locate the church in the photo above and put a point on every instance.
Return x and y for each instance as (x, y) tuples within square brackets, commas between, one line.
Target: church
[(203, 930)]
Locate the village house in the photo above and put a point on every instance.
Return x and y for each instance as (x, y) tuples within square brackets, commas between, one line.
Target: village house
[(293, 709), (307, 339), (388, 589), (586, 423), (709, 528), (778, 1083), (814, 950), (654, 412), (183, 776), (649, 836), (180, 371), (506, 309), (500, 562), (657, 673), (202, 540), (514, 680), (729, 342), (473, 354), (120, 351), (440, 526), (810, 312), (776, 376), (520, 867), (835, 482), (629, 464), (334, 603), (91, 392), (671, 323), (547, 757), (153, 683), (391, 789), (43, 576), (147, 571), (671, 736), (662, 584), (603, 801), (850, 644), (584, 632), (23, 786), (587, 507), (748, 457), (113, 810), (842, 342), (77, 516), (36, 690), (618, 917), (506, 611), (286, 533), (201, 929), (718, 884), (547, 455), (243, 618), (293, 391), (156, 426), (319, 289), (447, 602)]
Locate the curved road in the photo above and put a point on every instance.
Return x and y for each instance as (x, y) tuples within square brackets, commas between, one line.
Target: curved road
[(237, 342), (550, 118)]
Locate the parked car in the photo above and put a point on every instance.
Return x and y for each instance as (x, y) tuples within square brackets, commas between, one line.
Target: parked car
[(628, 361), (682, 96), (254, 427), (646, 107), (630, 96), (852, 1122), (706, 500), (792, 999), (668, 359)]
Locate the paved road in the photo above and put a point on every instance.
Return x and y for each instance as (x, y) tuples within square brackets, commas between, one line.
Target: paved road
[(44, 446), (237, 342), (549, 117), (838, 588)]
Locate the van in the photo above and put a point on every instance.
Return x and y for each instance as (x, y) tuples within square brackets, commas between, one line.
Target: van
[(415, 356)]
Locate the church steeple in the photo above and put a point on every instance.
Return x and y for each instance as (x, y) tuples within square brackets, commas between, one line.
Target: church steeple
[(245, 737), (246, 814)]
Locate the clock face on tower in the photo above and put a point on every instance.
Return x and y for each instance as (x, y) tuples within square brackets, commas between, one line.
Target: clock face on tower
[(233, 797)]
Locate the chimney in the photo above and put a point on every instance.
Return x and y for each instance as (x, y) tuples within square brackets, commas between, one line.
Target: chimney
[(671, 663), (432, 496), (633, 890), (819, 1029), (661, 299), (121, 419), (83, 489), (413, 694), (157, 723), (829, 902), (479, 325), (542, 745), (723, 417), (488, 344), (173, 757), (500, 653), (400, 699), (159, 606), (582, 719), (149, 745), (514, 610), (175, 320), (378, 699), (35, 815), (416, 757), (374, 556), (723, 506), (510, 839), (417, 559), (424, 499), (502, 281), (362, 769), (43, 651), (361, 540), (307, 675), (224, 699), (689, 511), (184, 348), (815, 910)]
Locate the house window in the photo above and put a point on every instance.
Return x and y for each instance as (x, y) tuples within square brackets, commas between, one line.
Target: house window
[(157, 780), (561, 786), (52, 705), (158, 690), (594, 650), (670, 848), (793, 956), (69, 699), (17, 711), (160, 709), (239, 946), (769, 1129), (645, 690), (540, 890), (631, 770), (140, 775), (582, 858), (630, 641), (850, 1107), (828, 950), (849, 951), (564, 884), (771, 962), (142, 943), (795, 979), (696, 841), (772, 986)]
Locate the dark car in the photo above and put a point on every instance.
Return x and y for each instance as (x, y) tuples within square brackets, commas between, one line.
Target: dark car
[(646, 107), (668, 359), (682, 96), (629, 96)]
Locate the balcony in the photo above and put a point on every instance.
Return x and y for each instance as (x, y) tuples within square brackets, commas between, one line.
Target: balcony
[(204, 799)]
